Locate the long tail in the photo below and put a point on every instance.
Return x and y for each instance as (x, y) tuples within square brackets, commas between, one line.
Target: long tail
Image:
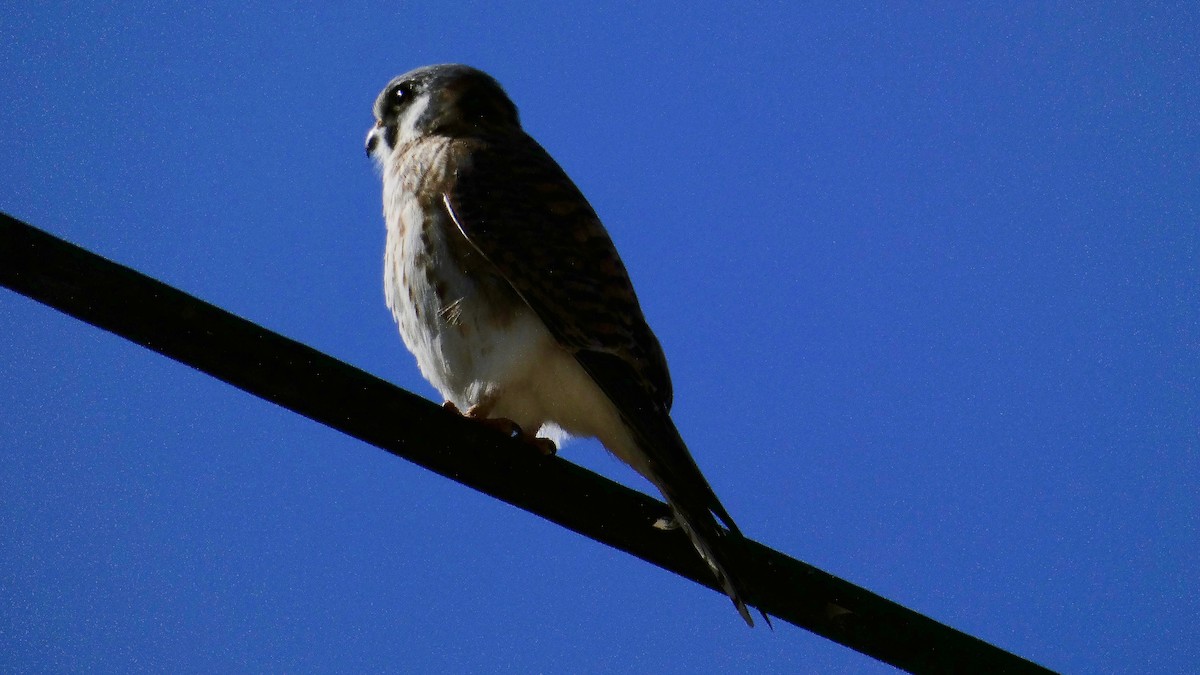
[(697, 509), (670, 466)]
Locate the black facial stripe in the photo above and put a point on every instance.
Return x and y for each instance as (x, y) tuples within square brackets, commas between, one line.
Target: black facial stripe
[(427, 118), (390, 132)]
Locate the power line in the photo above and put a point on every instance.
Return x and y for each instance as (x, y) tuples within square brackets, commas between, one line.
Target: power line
[(295, 376)]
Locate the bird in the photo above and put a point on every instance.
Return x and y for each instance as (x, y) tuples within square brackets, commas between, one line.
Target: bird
[(509, 292)]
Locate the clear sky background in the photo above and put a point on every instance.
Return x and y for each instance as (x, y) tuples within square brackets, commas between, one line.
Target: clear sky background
[(927, 279)]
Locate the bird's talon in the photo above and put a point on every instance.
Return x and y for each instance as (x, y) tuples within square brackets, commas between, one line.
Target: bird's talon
[(509, 428), (502, 424), (543, 445)]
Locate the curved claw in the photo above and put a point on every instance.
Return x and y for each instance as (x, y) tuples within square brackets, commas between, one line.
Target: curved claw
[(505, 426), (542, 445)]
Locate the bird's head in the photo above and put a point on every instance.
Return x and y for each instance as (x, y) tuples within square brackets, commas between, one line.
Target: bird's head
[(449, 99)]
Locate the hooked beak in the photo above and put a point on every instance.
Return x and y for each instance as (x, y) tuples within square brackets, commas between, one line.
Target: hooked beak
[(373, 137)]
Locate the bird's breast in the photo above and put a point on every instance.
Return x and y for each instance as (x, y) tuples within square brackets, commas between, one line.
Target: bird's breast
[(463, 323)]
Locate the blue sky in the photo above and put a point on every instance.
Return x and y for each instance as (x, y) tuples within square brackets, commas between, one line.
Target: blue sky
[(927, 279)]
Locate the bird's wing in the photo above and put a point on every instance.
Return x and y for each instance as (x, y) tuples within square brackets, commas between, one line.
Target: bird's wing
[(519, 209)]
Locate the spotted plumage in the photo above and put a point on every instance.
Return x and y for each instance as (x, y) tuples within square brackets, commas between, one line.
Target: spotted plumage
[(511, 295)]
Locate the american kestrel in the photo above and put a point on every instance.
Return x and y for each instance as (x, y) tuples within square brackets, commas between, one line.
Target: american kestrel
[(510, 294)]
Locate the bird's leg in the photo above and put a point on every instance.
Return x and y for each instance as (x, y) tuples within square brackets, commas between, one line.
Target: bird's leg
[(478, 412)]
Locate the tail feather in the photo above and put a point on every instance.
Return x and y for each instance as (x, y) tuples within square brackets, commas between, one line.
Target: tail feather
[(696, 507), (671, 468), (713, 544)]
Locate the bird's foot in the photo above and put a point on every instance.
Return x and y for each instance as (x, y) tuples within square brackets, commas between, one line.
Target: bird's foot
[(505, 426), (502, 424), (542, 445)]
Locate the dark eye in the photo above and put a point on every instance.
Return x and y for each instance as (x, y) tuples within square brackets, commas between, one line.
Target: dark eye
[(401, 95)]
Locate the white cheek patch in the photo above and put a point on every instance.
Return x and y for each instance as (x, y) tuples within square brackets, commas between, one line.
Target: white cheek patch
[(407, 123), (407, 129)]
